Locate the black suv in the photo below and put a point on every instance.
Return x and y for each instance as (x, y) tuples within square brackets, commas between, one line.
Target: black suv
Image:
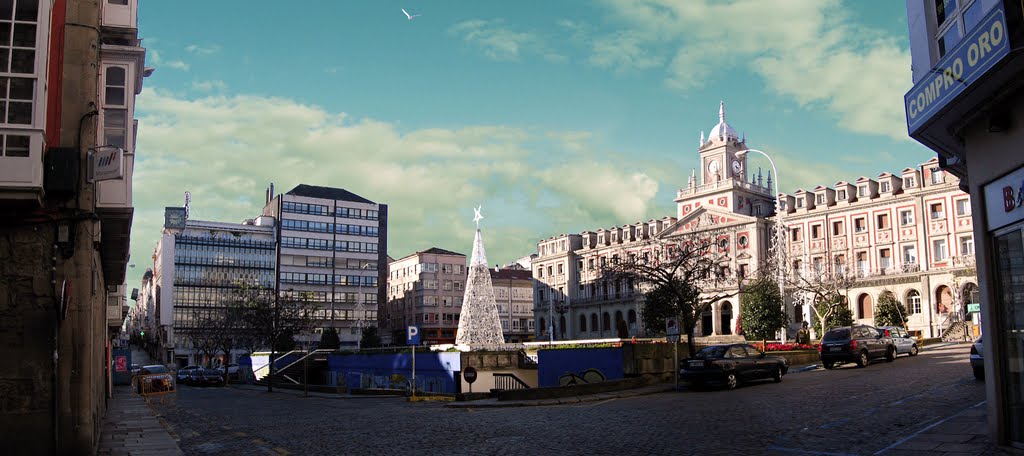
[(855, 344)]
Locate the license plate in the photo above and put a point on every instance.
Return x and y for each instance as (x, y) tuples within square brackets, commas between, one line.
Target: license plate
[(834, 349), (696, 363)]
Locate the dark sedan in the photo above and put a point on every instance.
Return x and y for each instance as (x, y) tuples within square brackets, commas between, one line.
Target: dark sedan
[(730, 365), (206, 377)]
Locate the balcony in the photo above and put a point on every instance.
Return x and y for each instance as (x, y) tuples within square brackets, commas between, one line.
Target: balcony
[(120, 14), (116, 308), (21, 171)]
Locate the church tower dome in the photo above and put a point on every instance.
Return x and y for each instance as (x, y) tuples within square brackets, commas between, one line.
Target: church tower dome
[(722, 130)]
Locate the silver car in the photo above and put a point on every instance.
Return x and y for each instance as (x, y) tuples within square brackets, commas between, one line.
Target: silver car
[(977, 360), (904, 342)]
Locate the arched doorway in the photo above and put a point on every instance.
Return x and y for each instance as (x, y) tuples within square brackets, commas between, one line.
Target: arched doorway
[(606, 322), (631, 319), (543, 326), (726, 318), (561, 326), (865, 308), (621, 330), (593, 322), (583, 323), (943, 299), (707, 323)]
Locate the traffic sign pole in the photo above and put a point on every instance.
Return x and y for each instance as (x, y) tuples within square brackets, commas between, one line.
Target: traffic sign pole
[(413, 371), (675, 361)]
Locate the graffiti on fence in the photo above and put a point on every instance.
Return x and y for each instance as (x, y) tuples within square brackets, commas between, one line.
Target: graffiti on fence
[(588, 376)]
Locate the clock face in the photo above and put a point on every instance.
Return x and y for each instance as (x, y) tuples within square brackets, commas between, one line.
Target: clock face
[(737, 166), (713, 166)]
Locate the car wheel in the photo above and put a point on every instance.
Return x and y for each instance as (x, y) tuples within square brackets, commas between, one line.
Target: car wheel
[(829, 365), (777, 375), (731, 380), (913, 350), (979, 373), (863, 360), (890, 354)]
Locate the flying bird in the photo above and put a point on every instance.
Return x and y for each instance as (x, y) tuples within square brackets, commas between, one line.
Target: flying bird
[(408, 16)]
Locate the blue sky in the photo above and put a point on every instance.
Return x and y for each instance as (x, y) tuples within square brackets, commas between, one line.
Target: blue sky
[(556, 116)]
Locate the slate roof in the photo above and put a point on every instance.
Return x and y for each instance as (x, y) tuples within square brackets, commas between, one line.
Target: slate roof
[(340, 194)]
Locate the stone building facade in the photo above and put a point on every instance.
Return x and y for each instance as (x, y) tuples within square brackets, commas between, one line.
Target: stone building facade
[(907, 233), (71, 70), (513, 294)]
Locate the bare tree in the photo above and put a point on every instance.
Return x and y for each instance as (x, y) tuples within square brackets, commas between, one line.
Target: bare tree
[(824, 290), (684, 272), (265, 318)]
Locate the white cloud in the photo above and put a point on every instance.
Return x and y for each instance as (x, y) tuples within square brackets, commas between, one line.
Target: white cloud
[(199, 49), (159, 62), (501, 43), (802, 49), (227, 149), (207, 86), (623, 51)]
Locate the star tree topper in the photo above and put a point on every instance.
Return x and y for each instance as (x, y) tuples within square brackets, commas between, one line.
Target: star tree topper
[(477, 216)]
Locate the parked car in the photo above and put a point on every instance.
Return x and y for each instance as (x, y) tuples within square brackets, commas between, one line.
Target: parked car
[(135, 369), (154, 378), (732, 364), (904, 342), (977, 360), (212, 377), (855, 344), (232, 371), (183, 374)]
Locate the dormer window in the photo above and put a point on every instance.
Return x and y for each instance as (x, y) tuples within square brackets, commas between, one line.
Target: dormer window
[(909, 182), (821, 198), (799, 203), (862, 190), (841, 195), (938, 176), (886, 186)]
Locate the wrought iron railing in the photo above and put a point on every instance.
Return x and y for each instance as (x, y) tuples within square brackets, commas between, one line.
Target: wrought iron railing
[(507, 382)]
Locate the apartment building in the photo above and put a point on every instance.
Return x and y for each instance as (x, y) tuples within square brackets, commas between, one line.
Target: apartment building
[(198, 266), (909, 233), (513, 295), (967, 104), (333, 248), (425, 289), (71, 70)]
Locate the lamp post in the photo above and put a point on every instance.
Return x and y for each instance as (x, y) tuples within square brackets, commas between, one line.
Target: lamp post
[(780, 237)]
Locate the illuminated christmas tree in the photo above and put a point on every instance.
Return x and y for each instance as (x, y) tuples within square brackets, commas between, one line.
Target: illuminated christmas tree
[(479, 323)]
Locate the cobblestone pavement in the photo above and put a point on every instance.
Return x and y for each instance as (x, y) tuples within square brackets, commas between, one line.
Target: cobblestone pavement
[(847, 411)]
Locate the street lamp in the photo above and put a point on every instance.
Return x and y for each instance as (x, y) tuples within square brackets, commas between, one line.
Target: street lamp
[(780, 236)]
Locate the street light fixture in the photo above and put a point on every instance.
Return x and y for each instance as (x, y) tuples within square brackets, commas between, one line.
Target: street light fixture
[(780, 237)]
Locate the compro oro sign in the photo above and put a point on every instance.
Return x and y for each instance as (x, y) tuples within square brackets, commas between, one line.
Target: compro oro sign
[(986, 45)]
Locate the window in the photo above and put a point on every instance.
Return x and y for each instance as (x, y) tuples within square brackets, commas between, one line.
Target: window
[(815, 231), (955, 19), (590, 263), (862, 190), (540, 272), (938, 176), (840, 264), (936, 211), (115, 112), (885, 258), (841, 195), (886, 186), (118, 2), (800, 202), (939, 250), (560, 270), (862, 263), (883, 221), (963, 207), (837, 228), (18, 28), (914, 302), (818, 264), (967, 245), (860, 225), (909, 254), (821, 198), (909, 182), (796, 235), (906, 217)]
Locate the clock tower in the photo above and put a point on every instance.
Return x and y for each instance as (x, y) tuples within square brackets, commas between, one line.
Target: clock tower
[(723, 180)]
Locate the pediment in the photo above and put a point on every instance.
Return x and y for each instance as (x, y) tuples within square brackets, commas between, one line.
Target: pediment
[(704, 219)]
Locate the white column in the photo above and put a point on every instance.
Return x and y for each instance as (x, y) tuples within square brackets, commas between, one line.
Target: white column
[(716, 319)]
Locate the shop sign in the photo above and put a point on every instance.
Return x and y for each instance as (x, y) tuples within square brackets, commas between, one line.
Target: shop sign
[(1004, 200), (979, 51)]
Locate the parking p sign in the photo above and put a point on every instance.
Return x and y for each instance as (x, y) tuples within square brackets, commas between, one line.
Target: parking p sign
[(412, 335)]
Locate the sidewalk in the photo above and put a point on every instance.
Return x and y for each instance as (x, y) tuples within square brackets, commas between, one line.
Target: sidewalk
[(132, 428), (495, 403), (963, 433)]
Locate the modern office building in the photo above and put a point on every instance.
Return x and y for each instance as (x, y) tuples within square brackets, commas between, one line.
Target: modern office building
[(333, 248), (198, 266), (70, 70), (425, 289), (513, 295), (908, 234), (967, 104)]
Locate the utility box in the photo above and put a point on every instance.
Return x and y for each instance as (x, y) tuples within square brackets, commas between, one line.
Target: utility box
[(62, 167)]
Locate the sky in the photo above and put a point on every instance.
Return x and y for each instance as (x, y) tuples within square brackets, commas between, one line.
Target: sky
[(554, 116)]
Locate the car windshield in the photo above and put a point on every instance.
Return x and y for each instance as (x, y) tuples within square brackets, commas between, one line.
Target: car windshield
[(716, 351), (837, 334), (155, 369)]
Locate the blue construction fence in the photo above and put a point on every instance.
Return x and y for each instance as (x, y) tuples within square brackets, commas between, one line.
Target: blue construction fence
[(577, 366), (436, 372)]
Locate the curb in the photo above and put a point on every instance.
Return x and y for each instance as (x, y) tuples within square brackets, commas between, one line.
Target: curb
[(494, 403)]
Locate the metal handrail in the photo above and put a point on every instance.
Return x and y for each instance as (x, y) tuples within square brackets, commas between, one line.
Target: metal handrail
[(504, 381), (267, 366)]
